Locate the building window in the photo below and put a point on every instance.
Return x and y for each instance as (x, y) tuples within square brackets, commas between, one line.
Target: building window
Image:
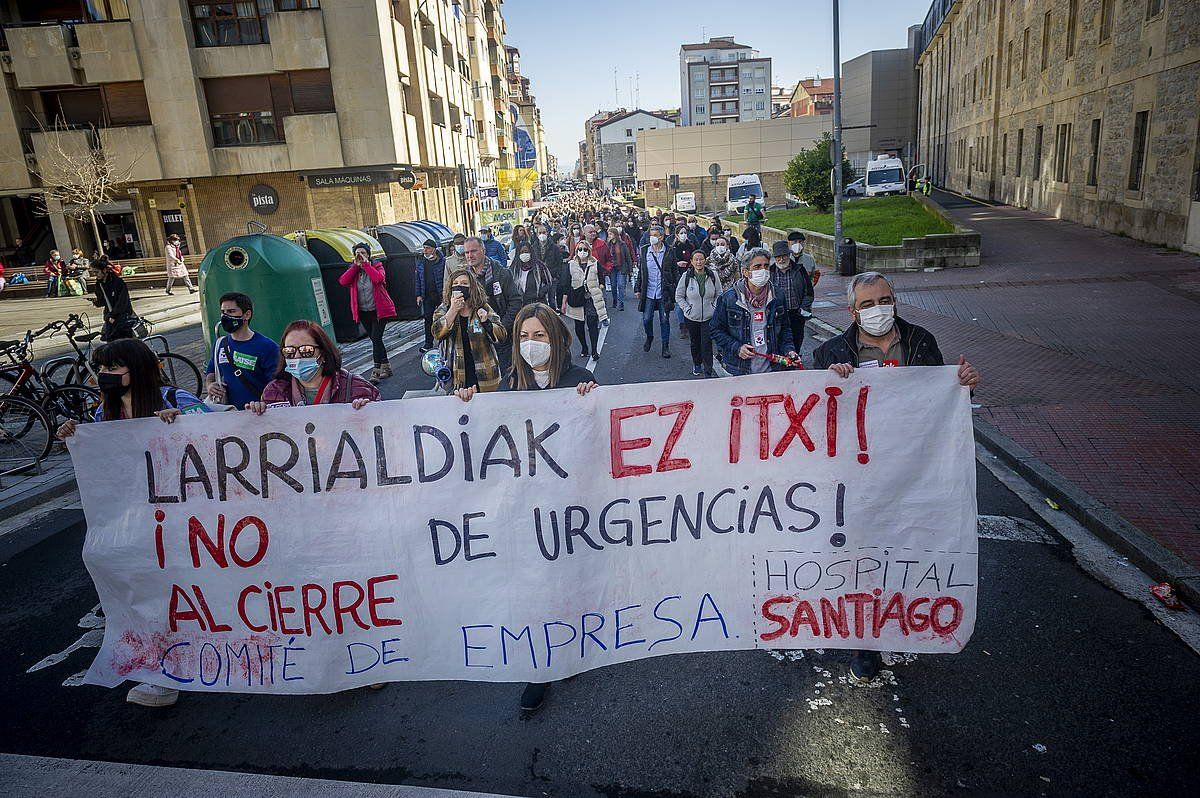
[(746, 73), (242, 110), (469, 126), (1004, 154), (1037, 154), (628, 132), (629, 168), (700, 110), (296, 5), (1153, 8), (1062, 153), (437, 113), (629, 149), (1137, 155), (1024, 52), (699, 94), (1094, 156), (1072, 13), (110, 105), (1106, 20), (760, 90), (1045, 41), (1008, 65), (747, 90), (225, 24), (1020, 150)]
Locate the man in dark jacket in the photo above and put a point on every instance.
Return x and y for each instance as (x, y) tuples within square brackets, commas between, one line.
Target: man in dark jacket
[(494, 249), (793, 285), (431, 278), (880, 338), (500, 286), (655, 289)]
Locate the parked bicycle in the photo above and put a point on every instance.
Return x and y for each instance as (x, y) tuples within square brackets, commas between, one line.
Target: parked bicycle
[(26, 435), (177, 370), (19, 378)]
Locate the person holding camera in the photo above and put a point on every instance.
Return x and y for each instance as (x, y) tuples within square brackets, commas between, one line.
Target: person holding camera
[(469, 331)]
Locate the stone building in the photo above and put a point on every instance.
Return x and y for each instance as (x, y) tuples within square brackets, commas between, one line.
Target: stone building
[(1088, 110), (295, 113), (616, 146)]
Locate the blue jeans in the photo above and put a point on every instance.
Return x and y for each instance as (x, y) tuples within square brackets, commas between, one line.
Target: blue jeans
[(618, 290), (664, 320)]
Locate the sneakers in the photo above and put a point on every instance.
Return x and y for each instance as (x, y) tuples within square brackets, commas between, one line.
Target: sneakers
[(151, 695), (649, 343), (864, 665), (696, 372), (533, 696), (169, 293), (425, 349)]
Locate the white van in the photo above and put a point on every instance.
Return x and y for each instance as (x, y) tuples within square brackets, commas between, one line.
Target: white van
[(685, 202), (885, 175), (739, 190)]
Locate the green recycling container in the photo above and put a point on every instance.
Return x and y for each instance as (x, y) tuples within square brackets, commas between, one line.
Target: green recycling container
[(281, 277)]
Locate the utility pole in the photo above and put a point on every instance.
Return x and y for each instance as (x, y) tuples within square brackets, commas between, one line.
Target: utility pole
[(837, 141), (616, 90)]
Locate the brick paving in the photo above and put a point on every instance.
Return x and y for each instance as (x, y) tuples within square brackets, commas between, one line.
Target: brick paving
[(1085, 343)]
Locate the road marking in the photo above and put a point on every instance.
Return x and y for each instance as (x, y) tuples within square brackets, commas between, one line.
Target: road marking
[(1096, 557)]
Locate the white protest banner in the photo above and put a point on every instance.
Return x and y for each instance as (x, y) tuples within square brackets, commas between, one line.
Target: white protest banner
[(531, 536)]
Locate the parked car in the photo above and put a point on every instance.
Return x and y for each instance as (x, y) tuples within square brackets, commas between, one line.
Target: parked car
[(857, 188)]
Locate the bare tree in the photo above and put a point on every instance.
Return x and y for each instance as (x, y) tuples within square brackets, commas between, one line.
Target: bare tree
[(78, 175)]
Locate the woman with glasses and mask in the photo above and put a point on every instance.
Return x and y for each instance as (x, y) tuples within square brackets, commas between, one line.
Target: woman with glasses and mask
[(310, 373), (583, 299), (541, 361), (131, 385)]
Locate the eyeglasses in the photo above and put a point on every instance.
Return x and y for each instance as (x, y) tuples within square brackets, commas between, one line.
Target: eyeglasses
[(307, 350)]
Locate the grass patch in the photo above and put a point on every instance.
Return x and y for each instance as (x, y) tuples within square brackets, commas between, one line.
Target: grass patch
[(881, 221)]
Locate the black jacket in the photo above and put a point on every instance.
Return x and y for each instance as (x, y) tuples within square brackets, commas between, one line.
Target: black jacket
[(670, 276), (920, 348), (503, 294), (539, 285)]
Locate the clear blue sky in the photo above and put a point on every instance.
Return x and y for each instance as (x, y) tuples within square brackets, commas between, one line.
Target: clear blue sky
[(569, 48)]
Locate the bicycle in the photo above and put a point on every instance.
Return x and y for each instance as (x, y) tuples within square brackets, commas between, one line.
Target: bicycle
[(20, 379), (26, 435), (176, 369)]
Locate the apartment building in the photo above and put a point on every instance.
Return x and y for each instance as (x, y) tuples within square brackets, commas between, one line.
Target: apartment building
[(1088, 110), (722, 81), (292, 113), (812, 97), (616, 146), (529, 135)]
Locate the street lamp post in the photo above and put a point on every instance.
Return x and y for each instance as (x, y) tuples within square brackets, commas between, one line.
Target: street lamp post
[(837, 141)]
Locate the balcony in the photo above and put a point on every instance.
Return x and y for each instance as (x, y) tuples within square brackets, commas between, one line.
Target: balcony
[(42, 54), (107, 52), (298, 40), (314, 141), (132, 150)]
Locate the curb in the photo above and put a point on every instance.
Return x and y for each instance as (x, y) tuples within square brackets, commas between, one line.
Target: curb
[(1145, 552)]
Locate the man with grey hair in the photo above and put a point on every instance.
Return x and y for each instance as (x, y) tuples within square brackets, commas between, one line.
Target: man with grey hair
[(879, 338), (499, 285), (749, 323), (655, 289)]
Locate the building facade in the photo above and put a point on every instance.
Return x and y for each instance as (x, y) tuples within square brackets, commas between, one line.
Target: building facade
[(763, 148), (616, 146), (721, 81), (1088, 110), (812, 97), (297, 114), (879, 99)]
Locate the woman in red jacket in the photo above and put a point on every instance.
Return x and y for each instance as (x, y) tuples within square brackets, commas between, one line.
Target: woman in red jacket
[(370, 304), (311, 373)]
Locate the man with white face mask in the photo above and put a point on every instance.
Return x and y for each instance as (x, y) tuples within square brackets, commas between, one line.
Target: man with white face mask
[(878, 337), (749, 323)]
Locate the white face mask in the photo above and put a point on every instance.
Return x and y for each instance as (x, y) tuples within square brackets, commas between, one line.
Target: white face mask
[(796, 248), (720, 249), (682, 236), (543, 237), (877, 320), (460, 249), (759, 277), (654, 240), (582, 254), (535, 353), (526, 257)]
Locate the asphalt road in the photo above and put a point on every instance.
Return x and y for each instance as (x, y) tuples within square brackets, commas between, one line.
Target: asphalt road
[(1067, 688)]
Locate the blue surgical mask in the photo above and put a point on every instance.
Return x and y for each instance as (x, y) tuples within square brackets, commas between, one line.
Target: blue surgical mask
[(302, 368)]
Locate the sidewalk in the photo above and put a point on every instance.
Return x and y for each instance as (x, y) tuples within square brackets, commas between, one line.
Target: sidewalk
[(1083, 340)]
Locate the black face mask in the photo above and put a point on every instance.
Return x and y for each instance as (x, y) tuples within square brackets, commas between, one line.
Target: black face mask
[(110, 384), (231, 324)]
